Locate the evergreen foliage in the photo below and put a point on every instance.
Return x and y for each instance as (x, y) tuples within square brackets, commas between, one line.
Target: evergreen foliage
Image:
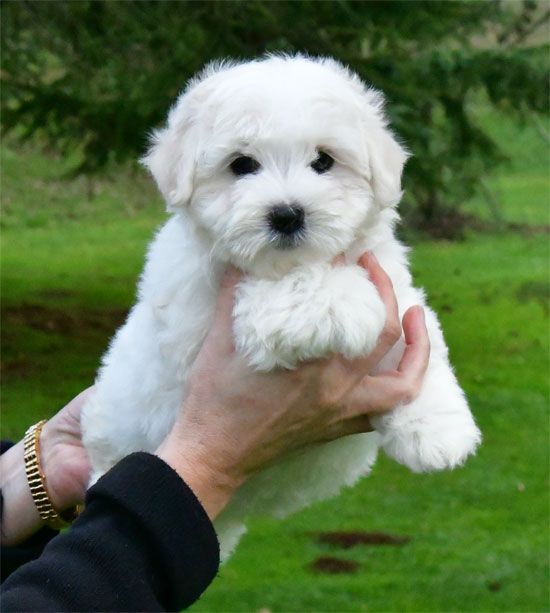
[(95, 77)]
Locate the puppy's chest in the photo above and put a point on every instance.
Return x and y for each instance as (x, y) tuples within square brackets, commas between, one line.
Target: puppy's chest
[(181, 327)]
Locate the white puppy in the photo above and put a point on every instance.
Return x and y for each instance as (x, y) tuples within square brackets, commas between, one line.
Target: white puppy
[(276, 166)]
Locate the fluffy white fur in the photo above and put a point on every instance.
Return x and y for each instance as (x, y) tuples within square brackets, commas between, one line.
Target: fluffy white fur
[(292, 305)]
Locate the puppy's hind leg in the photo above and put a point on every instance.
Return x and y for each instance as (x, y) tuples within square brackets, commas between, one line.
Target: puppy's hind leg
[(436, 430)]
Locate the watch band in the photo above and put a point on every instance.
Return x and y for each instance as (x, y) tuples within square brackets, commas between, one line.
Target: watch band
[(37, 482)]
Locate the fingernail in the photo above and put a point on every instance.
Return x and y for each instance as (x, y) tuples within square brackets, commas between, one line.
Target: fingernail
[(368, 259), (420, 311)]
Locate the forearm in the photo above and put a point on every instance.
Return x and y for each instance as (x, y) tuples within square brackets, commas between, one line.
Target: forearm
[(143, 543)]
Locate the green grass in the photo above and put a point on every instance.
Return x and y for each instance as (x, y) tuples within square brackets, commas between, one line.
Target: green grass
[(479, 535)]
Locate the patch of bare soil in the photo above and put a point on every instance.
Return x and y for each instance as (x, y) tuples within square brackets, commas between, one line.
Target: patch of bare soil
[(538, 291), (19, 367), (451, 225), (79, 325), (61, 321), (347, 540), (529, 230), (333, 566)]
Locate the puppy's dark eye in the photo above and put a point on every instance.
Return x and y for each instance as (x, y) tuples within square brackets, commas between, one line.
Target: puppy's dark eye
[(322, 163), (244, 165)]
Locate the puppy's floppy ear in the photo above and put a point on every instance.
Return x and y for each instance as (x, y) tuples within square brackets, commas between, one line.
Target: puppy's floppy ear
[(172, 157), (175, 149), (386, 157), (386, 161)]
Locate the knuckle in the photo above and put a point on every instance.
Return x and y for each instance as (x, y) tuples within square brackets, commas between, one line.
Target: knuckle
[(409, 392), (391, 333)]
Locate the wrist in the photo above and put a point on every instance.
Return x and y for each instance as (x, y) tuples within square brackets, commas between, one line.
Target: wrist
[(65, 465), (214, 488), (50, 462)]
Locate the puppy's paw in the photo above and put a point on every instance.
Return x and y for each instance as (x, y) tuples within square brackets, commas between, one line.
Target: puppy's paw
[(357, 314), (309, 313), (429, 442)]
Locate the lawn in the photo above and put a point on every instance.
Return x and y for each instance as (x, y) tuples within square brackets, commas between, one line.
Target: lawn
[(478, 537)]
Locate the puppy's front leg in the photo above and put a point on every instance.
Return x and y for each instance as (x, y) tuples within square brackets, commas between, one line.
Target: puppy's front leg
[(309, 313)]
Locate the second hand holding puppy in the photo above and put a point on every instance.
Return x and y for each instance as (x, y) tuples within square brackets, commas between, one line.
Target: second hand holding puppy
[(236, 421)]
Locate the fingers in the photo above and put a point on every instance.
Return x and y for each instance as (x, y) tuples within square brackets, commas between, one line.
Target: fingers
[(387, 390), (415, 359), (381, 280), (79, 401), (391, 332), (83, 396), (392, 328)]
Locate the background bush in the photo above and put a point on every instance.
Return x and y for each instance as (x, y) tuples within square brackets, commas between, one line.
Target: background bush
[(94, 77)]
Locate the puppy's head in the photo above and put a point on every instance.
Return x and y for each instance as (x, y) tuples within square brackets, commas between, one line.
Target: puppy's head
[(281, 161)]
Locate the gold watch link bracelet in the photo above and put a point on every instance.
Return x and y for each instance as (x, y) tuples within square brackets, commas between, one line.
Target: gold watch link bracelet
[(37, 482)]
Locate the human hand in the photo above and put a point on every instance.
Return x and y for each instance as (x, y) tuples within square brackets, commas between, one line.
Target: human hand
[(65, 465), (64, 459), (236, 421)]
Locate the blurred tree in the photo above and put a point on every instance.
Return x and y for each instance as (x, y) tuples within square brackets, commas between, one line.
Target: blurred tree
[(95, 76)]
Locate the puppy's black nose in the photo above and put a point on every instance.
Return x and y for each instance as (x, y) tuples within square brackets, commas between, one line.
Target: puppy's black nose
[(286, 219)]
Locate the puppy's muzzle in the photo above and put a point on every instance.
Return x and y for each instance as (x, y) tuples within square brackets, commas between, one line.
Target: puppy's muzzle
[(286, 220)]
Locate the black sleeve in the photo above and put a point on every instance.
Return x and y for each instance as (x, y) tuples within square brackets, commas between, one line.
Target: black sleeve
[(14, 556), (143, 543)]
